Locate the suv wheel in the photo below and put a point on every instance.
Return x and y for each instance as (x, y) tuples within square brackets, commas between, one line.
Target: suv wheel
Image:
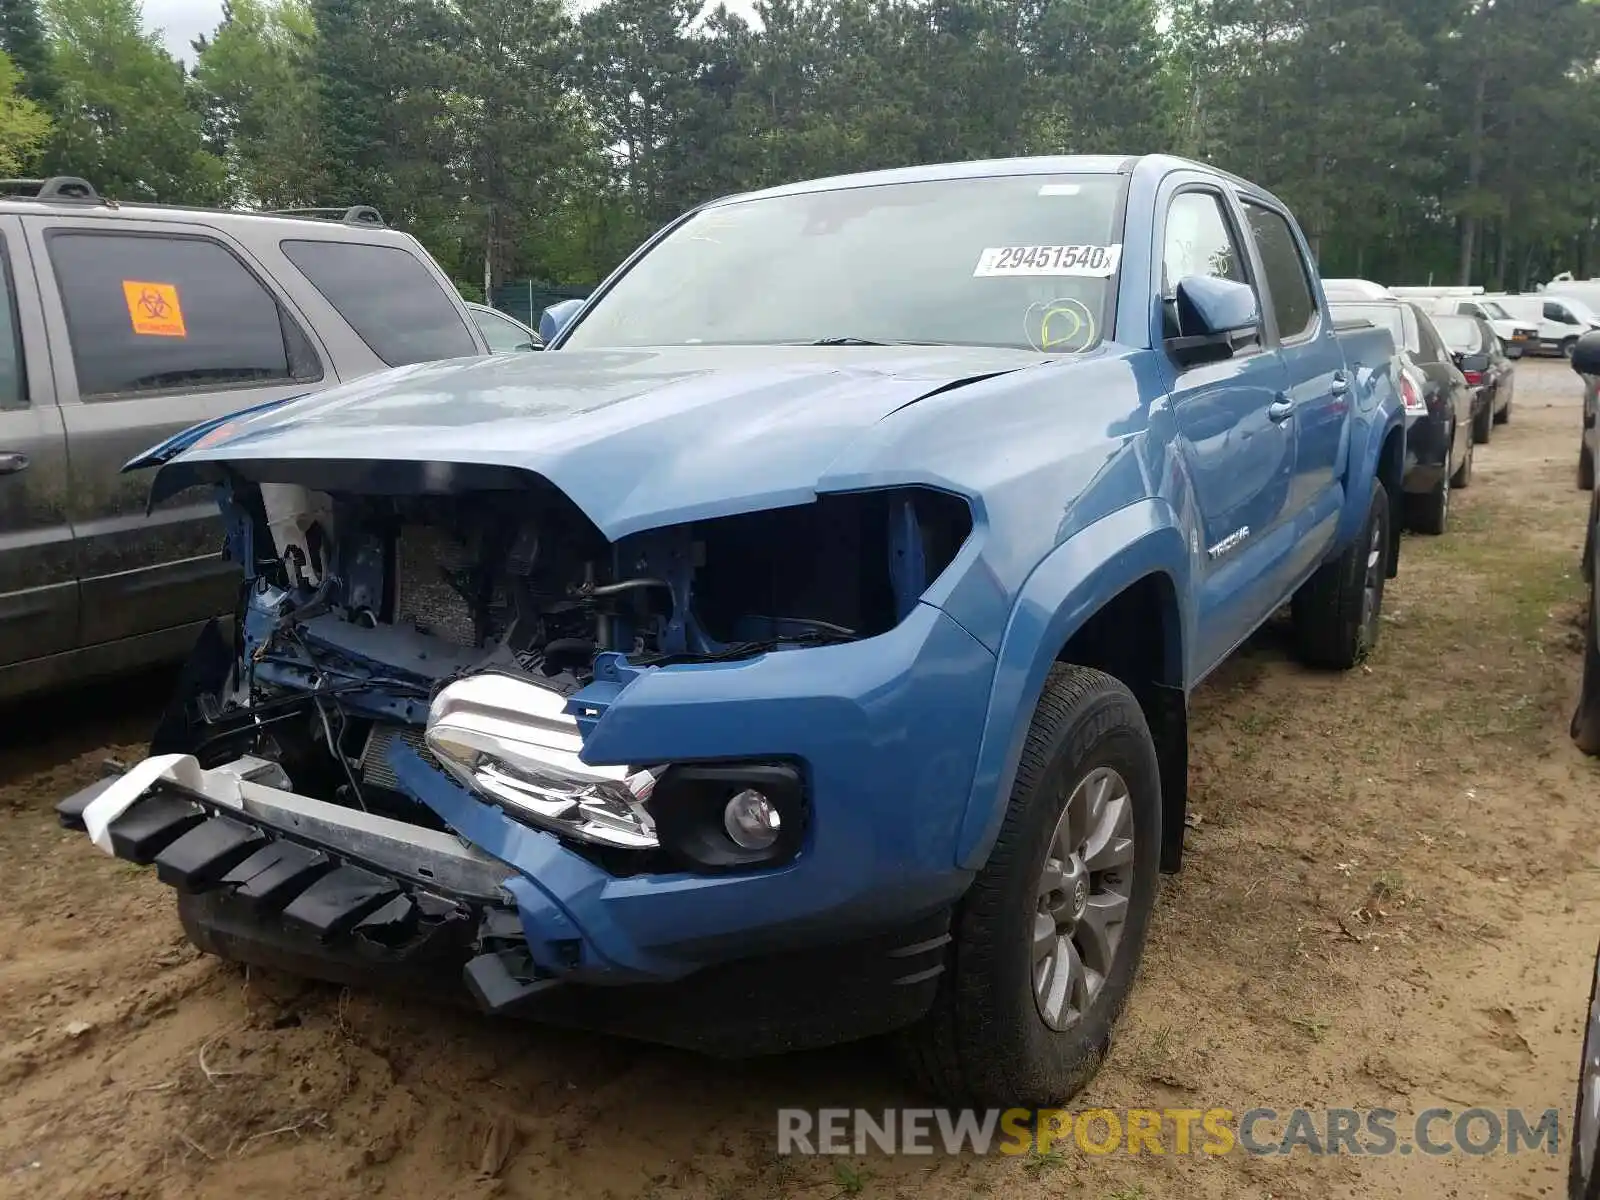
[(1585, 469), (1568, 346), (1047, 940), (1336, 611)]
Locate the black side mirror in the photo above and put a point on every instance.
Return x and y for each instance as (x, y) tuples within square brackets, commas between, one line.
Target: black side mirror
[(1216, 318), (1586, 354)]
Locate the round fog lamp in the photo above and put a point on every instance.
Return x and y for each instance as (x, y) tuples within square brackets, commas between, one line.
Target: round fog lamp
[(751, 820)]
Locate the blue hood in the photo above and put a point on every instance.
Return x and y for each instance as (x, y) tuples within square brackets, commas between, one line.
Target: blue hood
[(638, 439)]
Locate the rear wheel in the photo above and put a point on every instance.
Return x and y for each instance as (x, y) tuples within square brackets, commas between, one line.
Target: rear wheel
[(1483, 421), (1586, 717), (1585, 470), (1048, 938), (1463, 476), (1503, 417), (1336, 611), (1430, 513)]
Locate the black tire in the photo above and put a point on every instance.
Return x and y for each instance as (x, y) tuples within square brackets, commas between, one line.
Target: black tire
[(1503, 416), (1335, 626), (1430, 513), (1585, 728), (1462, 479), (1581, 1184), (1568, 346), (984, 1041), (1483, 422), (1585, 470)]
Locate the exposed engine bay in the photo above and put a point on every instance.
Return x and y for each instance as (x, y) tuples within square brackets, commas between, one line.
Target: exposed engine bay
[(463, 626)]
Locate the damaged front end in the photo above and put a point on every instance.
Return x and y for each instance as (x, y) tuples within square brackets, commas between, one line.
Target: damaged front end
[(458, 735)]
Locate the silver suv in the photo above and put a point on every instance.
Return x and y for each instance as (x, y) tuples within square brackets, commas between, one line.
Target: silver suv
[(124, 324)]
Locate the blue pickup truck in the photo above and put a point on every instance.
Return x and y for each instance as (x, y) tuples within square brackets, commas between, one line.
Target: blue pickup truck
[(799, 647)]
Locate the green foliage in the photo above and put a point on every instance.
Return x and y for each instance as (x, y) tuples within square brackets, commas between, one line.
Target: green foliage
[(1415, 139), (122, 114), (23, 124)]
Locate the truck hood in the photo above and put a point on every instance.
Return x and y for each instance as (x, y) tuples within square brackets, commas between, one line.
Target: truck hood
[(637, 438)]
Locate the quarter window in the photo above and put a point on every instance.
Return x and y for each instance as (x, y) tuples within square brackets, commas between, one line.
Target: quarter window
[(13, 377), (388, 297), (1287, 279), (148, 313)]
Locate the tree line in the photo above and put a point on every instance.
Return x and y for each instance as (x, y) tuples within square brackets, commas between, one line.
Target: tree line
[(1451, 140)]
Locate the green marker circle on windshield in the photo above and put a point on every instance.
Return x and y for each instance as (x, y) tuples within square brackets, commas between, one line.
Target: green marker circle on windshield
[(1060, 326)]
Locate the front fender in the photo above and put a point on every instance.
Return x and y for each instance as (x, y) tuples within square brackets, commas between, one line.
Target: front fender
[(1069, 586)]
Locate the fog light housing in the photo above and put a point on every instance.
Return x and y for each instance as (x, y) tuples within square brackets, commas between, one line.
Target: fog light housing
[(729, 816), (751, 820)]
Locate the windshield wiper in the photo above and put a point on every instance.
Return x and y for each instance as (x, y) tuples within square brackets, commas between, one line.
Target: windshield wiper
[(861, 341)]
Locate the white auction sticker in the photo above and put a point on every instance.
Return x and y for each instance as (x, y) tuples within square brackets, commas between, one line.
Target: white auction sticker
[(1094, 261)]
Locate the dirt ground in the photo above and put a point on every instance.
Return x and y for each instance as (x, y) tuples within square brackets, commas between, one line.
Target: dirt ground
[(1390, 900)]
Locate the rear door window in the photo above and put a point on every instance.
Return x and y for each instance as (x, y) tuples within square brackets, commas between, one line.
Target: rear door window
[(166, 313), (384, 293), (1288, 281)]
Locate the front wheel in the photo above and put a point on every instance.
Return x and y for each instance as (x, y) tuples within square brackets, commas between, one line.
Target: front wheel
[(1336, 611), (1585, 469), (1568, 346), (1047, 940), (1583, 1181)]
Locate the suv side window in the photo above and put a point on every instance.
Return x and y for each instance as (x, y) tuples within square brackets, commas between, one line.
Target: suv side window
[(13, 374), (1288, 281), (171, 312), (388, 297)]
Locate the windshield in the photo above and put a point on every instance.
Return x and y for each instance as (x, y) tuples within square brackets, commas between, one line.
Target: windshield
[(1494, 312), (1026, 261), (1459, 333), (1384, 316)]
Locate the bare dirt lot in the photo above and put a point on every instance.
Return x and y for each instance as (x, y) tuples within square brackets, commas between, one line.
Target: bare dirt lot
[(1390, 900)]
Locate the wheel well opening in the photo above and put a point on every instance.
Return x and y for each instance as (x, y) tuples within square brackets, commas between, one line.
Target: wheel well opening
[(1391, 467), (1136, 638)]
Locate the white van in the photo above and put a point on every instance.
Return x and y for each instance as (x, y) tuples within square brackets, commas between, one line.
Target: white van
[(1586, 290), (1562, 319), (1517, 337)]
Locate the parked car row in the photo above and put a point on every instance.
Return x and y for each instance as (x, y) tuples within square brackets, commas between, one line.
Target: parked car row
[(744, 638), (1457, 383)]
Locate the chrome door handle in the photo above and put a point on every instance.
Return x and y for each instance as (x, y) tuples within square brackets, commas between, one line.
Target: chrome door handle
[(1341, 384), (1280, 409), (11, 462)]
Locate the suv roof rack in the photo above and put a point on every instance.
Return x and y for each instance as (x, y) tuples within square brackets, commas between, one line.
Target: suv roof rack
[(56, 187), (356, 214)]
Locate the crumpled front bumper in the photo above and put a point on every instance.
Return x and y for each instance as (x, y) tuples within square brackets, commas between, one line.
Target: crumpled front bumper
[(846, 940)]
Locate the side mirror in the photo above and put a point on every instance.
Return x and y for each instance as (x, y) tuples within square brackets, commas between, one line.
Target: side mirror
[(1215, 318), (556, 318), (1586, 354), (529, 346)]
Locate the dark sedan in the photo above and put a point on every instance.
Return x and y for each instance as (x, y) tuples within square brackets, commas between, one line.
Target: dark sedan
[(1489, 373), (1438, 406)]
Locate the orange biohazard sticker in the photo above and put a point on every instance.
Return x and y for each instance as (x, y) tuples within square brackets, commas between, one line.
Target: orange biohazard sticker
[(154, 309)]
